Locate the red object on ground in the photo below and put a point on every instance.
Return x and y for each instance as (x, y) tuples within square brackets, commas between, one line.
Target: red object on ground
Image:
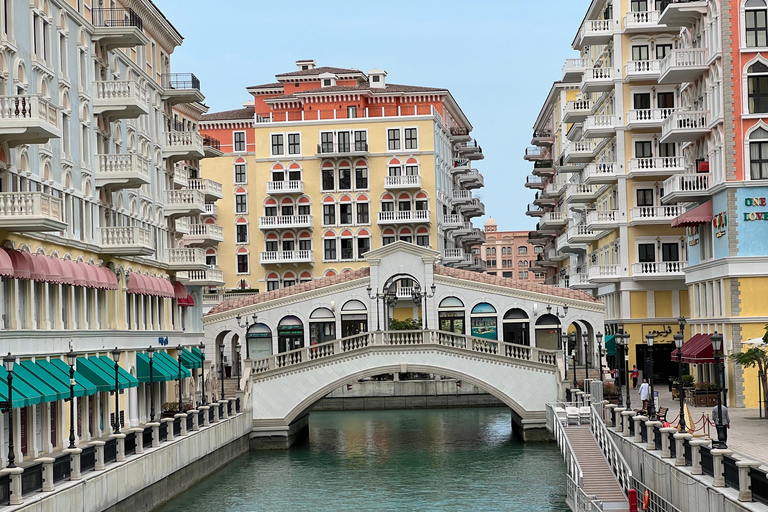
[(632, 496)]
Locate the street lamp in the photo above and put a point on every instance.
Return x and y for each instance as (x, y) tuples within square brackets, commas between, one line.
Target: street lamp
[(71, 359), (652, 403), (564, 342), (557, 311), (377, 296), (585, 337), (417, 295), (599, 337), (681, 322), (717, 345), (8, 362), (680, 396), (624, 337), (202, 371), (116, 359), (246, 326), (573, 363), (178, 353), (221, 360), (238, 348), (151, 355)]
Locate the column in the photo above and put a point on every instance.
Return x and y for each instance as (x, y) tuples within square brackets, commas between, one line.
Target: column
[(169, 428), (696, 455), (47, 473), (155, 433), (15, 486), (745, 489), (650, 426), (139, 431), (205, 408), (74, 463), (717, 466), (680, 439), (99, 454), (182, 417), (638, 437), (665, 449), (120, 438)]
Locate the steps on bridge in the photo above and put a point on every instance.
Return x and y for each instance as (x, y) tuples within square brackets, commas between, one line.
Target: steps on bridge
[(598, 477), (580, 373)]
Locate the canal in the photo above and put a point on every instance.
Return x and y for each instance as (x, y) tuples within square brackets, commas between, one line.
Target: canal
[(425, 460)]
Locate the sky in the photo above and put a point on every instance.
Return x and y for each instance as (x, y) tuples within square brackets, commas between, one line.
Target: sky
[(498, 58)]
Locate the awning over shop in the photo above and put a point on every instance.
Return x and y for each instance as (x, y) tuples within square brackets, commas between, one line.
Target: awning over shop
[(186, 302), (20, 264), (180, 291), (610, 345), (34, 371), (125, 379), (6, 265), (702, 214), (697, 350), (159, 371), (23, 394), (94, 373), (172, 364), (190, 360), (58, 369)]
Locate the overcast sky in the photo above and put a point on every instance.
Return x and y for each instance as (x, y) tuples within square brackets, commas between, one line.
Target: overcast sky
[(498, 59)]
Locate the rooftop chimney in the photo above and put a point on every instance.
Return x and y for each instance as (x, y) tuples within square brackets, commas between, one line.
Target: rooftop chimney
[(305, 64), (377, 78)]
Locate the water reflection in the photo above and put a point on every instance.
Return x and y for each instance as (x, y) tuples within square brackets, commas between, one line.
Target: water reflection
[(426, 460)]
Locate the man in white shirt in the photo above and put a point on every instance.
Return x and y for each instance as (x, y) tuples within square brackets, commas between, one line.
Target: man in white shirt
[(644, 391)]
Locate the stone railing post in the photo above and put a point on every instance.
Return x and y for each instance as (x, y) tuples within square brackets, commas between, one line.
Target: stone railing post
[(680, 439), (183, 422), (233, 403), (650, 428), (608, 415), (717, 466), (206, 418), (155, 433), (195, 415), (99, 445), (745, 490), (169, 428), (74, 463), (15, 484), (47, 473), (618, 427), (665, 448), (638, 437), (224, 412), (215, 408), (378, 338), (120, 443), (626, 418), (696, 445), (139, 439)]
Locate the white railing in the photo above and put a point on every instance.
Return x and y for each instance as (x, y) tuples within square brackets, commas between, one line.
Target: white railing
[(368, 112), (598, 271), (643, 67), (28, 106), (687, 183), (582, 189), (659, 268), (649, 115), (684, 57), (655, 212), (402, 181), (209, 187), (603, 217), (453, 219), (641, 18), (404, 292), (581, 231), (453, 254), (180, 175), (24, 205), (553, 217), (656, 163), (611, 452), (597, 74), (182, 225), (583, 146), (176, 139), (202, 276), (600, 121), (285, 221), (600, 170), (296, 256), (578, 279), (577, 65), (404, 216), (206, 230), (292, 186), (555, 426), (462, 195), (115, 91), (210, 209), (186, 255), (595, 27), (122, 236), (185, 197), (119, 165), (685, 120)]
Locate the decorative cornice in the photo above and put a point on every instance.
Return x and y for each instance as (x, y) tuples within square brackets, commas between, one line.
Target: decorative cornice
[(156, 24)]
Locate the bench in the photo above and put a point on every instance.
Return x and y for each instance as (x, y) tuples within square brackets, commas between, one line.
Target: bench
[(661, 415)]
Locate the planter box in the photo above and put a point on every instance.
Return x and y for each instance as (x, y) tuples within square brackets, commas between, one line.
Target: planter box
[(705, 398)]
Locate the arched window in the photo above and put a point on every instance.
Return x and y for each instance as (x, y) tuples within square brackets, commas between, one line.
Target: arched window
[(484, 321), (329, 246), (294, 173), (361, 174), (242, 261), (273, 281), (241, 230), (758, 154), (547, 332), (516, 327), (450, 315), (259, 340), (241, 200), (363, 209), (363, 243), (756, 23), (210, 257), (354, 318), (289, 279), (388, 236), (306, 277), (345, 176), (290, 334), (322, 326), (522, 250), (241, 171), (757, 86), (347, 245)]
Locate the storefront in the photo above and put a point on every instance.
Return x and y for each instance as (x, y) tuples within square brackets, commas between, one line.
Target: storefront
[(259, 341), (548, 332), (516, 327), (322, 326), (484, 321), (290, 334), (451, 315), (354, 318)]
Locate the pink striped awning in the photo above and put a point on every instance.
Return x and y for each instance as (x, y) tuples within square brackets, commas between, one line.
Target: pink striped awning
[(21, 269), (93, 276), (180, 291), (136, 284), (6, 265), (109, 278), (67, 272)]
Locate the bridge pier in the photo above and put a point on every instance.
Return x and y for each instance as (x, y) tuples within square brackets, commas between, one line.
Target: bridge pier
[(279, 437), (530, 430)]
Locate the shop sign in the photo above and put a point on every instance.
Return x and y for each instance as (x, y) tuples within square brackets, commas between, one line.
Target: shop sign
[(719, 222), (755, 202)]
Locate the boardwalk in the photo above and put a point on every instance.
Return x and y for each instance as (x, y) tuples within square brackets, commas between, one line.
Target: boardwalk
[(598, 479)]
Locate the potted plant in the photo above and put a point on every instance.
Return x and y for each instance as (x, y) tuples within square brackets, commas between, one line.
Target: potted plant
[(611, 392), (170, 409)]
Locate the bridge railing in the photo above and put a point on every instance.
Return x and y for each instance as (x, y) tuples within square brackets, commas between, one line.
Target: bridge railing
[(558, 432), (611, 452), (410, 338)]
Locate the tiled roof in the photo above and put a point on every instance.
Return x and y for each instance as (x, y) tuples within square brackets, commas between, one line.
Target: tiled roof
[(316, 284), (355, 88), (274, 85), (241, 113), (506, 282), (320, 70)]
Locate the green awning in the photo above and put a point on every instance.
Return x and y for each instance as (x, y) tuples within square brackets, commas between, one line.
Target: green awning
[(161, 362), (61, 389), (23, 394), (159, 372), (610, 345), (190, 360), (95, 374), (125, 379), (58, 369), (47, 393), (174, 364)]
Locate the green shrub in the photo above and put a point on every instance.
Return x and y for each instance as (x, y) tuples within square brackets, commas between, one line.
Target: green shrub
[(409, 324)]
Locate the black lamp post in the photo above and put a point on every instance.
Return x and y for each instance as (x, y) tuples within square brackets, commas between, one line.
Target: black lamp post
[(652, 402), (8, 362), (680, 393), (221, 360), (717, 345), (151, 355), (573, 362), (178, 353), (624, 345), (390, 300), (620, 363), (376, 296), (71, 359), (564, 343), (585, 337), (245, 326), (202, 372), (418, 295), (681, 322), (116, 359), (238, 348), (599, 337)]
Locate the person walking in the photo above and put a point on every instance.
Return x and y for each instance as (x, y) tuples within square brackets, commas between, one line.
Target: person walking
[(721, 427), (635, 375), (644, 392)]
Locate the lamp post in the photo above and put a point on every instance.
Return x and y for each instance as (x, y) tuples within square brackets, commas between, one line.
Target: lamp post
[(202, 372), (573, 362), (681, 322), (71, 359), (116, 359), (376, 296), (245, 326), (151, 355), (417, 295), (620, 364), (390, 300), (680, 396), (178, 353), (585, 337), (564, 343), (625, 357), (238, 348), (599, 337), (8, 362), (652, 403), (221, 361), (717, 345)]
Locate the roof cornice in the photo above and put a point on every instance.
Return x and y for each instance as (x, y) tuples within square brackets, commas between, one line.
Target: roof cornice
[(159, 26)]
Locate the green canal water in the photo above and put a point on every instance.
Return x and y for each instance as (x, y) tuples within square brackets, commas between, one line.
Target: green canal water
[(425, 460)]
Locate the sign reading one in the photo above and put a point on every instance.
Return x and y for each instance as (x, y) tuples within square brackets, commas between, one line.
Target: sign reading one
[(755, 201)]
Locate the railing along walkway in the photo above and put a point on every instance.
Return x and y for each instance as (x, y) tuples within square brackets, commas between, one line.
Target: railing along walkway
[(598, 480)]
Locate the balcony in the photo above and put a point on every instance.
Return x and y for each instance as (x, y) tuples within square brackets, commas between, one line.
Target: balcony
[(28, 119), (567, 248), (474, 208), (683, 65), (470, 150), (478, 265), (555, 255), (461, 197), (685, 126), (210, 189), (556, 187), (656, 167), (204, 234), (544, 200), (285, 187), (543, 168), (580, 152), (470, 181), (460, 134), (210, 210), (647, 118), (402, 182), (603, 219), (598, 80), (644, 22), (120, 99), (212, 146), (117, 28), (535, 153), (654, 214), (581, 234), (465, 229), (543, 139), (679, 14), (472, 236), (451, 222), (118, 171), (553, 220), (181, 88), (686, 187), (184, 203), (534, 211), (659, 270), (601, 173), (603, 273), (457, 257), (287, 257), (565, 168), (537, 238), (580, 281), (461, 167), (577, 111), (183, 145), (642, 70), (180, 176), (286, 222), (126, 241), (574, 68), (600, 126), (582, 193), (31, 211), (186, 258), (208, 277), (181, 225), (344, 149), (404, 217), (595, 32)]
